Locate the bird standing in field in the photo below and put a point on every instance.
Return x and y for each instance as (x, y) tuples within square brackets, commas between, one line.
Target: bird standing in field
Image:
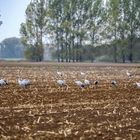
[(79, 84), (113, 83), (128, 74), (87, 82), (138, 85), (82, 73), (24, 83), (61, 82), (3, 82), (59, 73)]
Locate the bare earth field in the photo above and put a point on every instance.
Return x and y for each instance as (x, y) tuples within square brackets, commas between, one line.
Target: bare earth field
[(46, 111)]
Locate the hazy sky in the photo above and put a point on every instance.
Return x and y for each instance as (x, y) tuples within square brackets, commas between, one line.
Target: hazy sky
[(12, 15)]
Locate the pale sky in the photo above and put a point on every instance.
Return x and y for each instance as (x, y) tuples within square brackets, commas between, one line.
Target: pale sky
[(12, 15)]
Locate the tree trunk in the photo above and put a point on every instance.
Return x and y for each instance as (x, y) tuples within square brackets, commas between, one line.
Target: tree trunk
[(62, 53), (123, 56), (69, 50), (131, 50), (73, 50), (66, 47), (58, 48), (80, 53), (115, 48), (115, 54)]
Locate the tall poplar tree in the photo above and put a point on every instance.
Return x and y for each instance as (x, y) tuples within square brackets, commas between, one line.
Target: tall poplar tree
[(34, 29), (133, 21), (113, 18)]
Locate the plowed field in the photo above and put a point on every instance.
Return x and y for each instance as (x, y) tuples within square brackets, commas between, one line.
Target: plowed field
[(44, 110)]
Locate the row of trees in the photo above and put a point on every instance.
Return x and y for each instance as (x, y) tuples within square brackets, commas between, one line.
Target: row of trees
[(78, 27)]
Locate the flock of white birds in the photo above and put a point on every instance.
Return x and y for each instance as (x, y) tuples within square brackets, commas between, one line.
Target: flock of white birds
[(24, 83), (79, 83), (87, 82)]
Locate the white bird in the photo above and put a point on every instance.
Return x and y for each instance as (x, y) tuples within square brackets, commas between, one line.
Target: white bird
[(138, 85), (82, 73), (87, 82), (3, 82), (114, 83), (128, 74), (59, 73), (61, 82), (80, 84), (24, 82)]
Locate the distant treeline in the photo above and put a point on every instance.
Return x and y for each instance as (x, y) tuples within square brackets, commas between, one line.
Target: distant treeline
[(11, 48)]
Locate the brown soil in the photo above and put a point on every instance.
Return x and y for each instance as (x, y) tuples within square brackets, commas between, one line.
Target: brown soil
[(46, 111)]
